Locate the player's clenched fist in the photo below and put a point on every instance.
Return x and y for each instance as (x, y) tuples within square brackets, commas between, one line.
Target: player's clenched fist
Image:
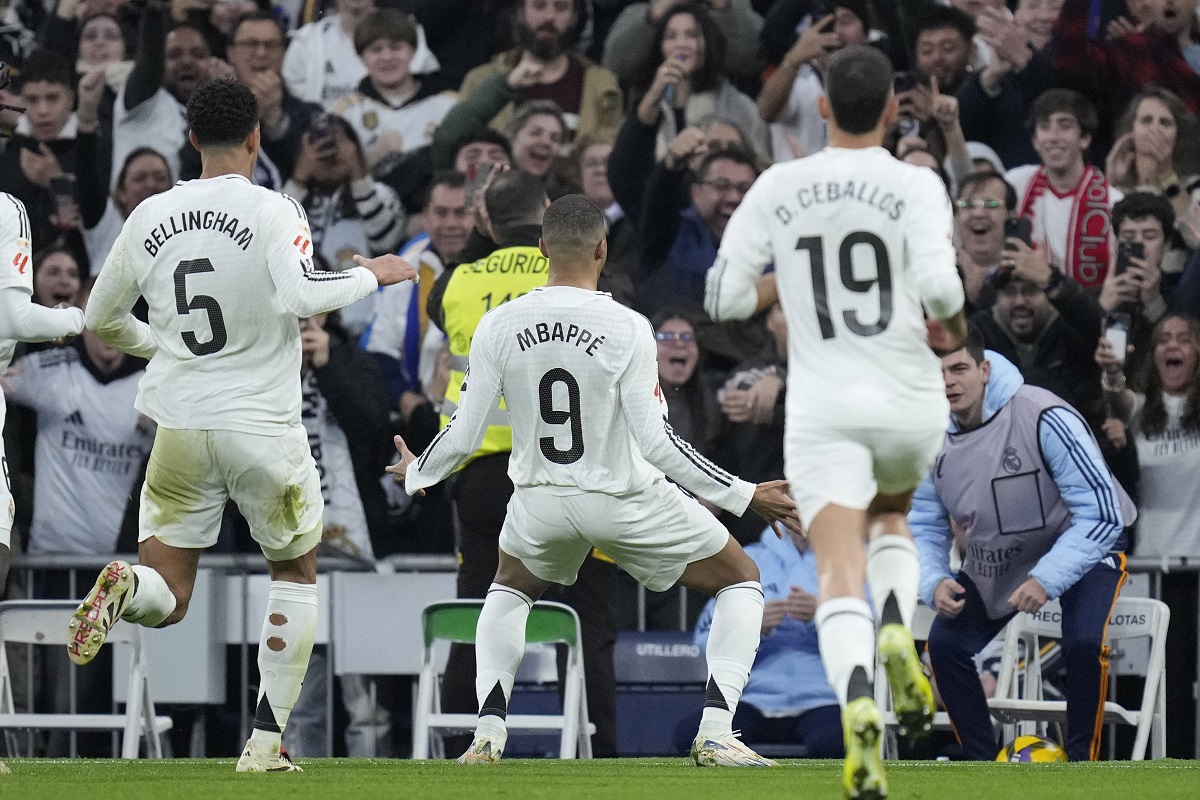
[(389, 269), (949, 598)]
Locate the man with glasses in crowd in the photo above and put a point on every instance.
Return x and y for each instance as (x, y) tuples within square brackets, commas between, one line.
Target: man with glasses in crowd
[(985, 201)]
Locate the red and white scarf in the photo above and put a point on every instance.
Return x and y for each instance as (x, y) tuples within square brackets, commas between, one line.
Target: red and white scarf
[(1088, 234)]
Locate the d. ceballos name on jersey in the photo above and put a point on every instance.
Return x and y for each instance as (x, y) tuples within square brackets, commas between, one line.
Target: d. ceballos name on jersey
[(198, 221), (820, 193)]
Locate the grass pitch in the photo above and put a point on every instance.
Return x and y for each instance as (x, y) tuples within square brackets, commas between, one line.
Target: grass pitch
[(655, 779)]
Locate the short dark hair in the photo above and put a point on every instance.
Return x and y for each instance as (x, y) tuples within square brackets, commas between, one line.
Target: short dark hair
[(449, 178), (256, 16), (222, 113), (1063, 101), (1139, 205), (526, 111), (738, 155), (858, 83), (571, 224), (515, 198), (47, 66), (974, 344), (977, 179), (937, 17), (486, 136), (384, 23)]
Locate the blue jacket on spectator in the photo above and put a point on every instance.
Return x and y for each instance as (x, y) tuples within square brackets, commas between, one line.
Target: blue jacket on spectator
[(1069, 459), (788, 677)]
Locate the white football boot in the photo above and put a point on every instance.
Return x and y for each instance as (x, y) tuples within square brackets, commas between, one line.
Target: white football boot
[(726, 751), (255, 760)]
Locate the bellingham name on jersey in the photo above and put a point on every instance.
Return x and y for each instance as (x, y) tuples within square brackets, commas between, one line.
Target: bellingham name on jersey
[(832, 192), (198, 221)]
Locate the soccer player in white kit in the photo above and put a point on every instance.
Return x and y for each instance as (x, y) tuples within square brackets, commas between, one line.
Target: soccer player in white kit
[(20, 320), (579, 376), (226, 269), (860, 241)]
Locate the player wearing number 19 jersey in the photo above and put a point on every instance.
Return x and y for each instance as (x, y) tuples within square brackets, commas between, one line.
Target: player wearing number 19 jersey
[(579, 377), (226, 269), (861, 245)]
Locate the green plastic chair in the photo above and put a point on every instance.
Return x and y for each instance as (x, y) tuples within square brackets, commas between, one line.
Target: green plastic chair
[(549, 623)]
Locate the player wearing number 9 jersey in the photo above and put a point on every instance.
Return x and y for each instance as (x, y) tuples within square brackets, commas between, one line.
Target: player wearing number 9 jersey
[(862, 247), (590, 446), (226, 269)]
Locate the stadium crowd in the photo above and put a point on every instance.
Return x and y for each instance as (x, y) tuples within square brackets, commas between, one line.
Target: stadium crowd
[(1064, 131)]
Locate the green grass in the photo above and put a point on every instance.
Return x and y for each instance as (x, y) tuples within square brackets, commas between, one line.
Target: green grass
[(654, 779)]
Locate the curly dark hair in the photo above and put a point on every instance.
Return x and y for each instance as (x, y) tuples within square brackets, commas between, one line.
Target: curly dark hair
[(1154, 413), (222, 113), (710, 73)]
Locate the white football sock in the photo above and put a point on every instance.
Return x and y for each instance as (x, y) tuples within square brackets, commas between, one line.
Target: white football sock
[(732, 646), (894, 567), (151, 601), (499, 646), (846, 634), (283, 652)]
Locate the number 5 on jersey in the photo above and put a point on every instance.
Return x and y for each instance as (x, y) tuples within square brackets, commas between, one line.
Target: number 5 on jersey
[(200, 302)]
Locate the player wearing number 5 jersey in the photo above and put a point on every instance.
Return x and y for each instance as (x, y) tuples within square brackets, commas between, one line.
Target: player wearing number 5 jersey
[(861, 243), (226, 269), (590, 446)]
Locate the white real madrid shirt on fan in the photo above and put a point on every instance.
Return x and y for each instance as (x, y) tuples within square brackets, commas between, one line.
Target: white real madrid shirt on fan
[(20, 320), (90, 448), (579, 376), (860, 242), (226, 269)]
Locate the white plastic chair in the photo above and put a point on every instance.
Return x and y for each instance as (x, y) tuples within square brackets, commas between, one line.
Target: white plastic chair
[(922, 622), (455, 621), (44, 622), (1019, 695)]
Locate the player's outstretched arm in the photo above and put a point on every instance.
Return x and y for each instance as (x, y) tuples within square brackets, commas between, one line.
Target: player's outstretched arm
[(928, 238), (643, 406), (478, 400), (109, 305), (735, 287), (772, 502), (304, 290), (25, 321), (389, 269)]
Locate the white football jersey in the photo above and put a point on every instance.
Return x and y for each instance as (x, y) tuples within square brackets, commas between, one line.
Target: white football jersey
[(226, 268), (16, 263), (579, 376), (859, 241)]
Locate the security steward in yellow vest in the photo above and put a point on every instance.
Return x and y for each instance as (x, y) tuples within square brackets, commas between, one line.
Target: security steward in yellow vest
[(515, 203)]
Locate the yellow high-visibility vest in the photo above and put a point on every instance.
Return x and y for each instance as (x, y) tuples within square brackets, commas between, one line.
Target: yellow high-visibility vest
[(472, 291)]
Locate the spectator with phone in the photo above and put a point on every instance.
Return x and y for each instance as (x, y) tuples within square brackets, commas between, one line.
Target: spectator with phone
[(632, 38), (543, 66), (995, 100), (36, 167), (788, 100), (1068, 200), (1047, 325), (1134, 288), (349, 212)]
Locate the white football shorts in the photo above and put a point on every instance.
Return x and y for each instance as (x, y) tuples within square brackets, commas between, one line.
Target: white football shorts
[(849, 466), (273, 480), (653, 535)]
